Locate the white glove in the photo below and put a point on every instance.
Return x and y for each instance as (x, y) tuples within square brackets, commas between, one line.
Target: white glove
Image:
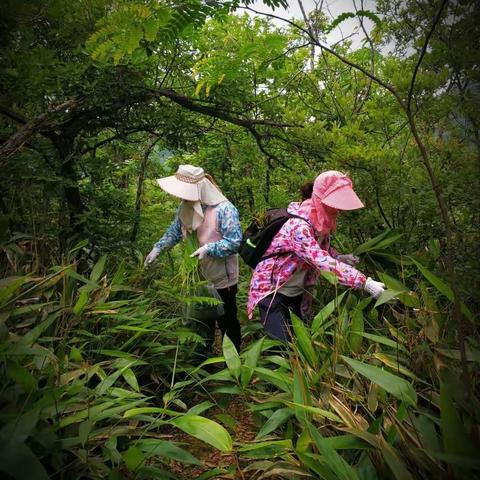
[(375, 289), (201, 253), (151, 257), (349, 259)]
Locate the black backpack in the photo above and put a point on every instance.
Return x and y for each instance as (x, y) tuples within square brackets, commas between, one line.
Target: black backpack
[(259, 235)]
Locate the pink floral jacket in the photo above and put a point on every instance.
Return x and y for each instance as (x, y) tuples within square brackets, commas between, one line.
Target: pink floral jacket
[(297, 236)]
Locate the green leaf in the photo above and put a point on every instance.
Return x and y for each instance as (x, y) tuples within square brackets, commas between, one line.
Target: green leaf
[(341, 469), (8, 287), (443, 288), (228, 389), (319, 412), (133, 412), (131, 379), (206, 430), (390, 456), (346, 442), (81, 302), (455, 439), (279, 417), (392, 362), (437, 282), (386, 296), (134, 458), (325, 312), (385, 341), (397, 386), (251, 357), (84, 430), (280, 380), (266, 449), (98, 269), (163, 448), (231, 356), (356, 331), (22, 376), (329, 276), (301, 394), (303, 341), (20, 462), (338, 20), (379, 242), (200, 408), (227, 420)]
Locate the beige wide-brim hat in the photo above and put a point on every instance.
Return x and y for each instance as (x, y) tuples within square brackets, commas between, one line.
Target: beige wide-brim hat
[(190, 183)]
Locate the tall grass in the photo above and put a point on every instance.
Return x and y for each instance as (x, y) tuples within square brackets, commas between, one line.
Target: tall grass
[(97, 380)]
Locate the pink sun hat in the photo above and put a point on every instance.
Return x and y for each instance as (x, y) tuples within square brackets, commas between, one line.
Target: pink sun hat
[(335, 190)]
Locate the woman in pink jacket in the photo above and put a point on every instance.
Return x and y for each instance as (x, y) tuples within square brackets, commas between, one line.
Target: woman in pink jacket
[(282, 282)]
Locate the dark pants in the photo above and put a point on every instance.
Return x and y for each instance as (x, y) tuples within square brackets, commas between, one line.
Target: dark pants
[(275, 314), (228, 323)]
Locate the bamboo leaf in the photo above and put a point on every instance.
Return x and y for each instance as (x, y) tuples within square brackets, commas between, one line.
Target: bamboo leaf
[(81, 302), (356, 331), (325, 312), (303, 341), (443, 288), (251, 359), (22, 376), (131, 379), (385, 341), (455, 439), (397, 386), (335, 462), (232, 358), (278, 418), (386, 296), (97, 270), (153, 447), (206, 430)]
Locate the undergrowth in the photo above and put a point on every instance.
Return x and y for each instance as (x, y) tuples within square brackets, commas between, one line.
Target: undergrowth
[(98, 380)]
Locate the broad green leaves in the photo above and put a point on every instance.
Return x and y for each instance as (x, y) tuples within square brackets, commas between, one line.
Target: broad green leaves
[(303, 341), (393, 384), (206, 430), (232, 358)]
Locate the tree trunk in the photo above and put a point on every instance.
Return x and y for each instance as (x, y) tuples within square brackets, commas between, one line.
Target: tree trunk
[(73, 198)]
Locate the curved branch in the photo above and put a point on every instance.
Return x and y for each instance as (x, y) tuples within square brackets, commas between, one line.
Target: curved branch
[(31, 127), (422, 53), (213, 111)]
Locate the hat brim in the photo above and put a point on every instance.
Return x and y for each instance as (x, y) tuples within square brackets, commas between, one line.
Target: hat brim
[(177, 188), (343, 199)]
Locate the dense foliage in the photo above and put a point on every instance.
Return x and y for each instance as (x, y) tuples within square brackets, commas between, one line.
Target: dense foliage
[(98, 366)]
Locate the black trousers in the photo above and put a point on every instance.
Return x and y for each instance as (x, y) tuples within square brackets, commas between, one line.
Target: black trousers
[(275, 314), (228, 323)]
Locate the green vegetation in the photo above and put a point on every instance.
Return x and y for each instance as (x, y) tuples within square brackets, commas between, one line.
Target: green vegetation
[(100, 97)]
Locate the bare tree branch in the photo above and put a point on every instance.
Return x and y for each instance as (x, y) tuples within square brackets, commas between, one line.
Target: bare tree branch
[(31, 127), (213, 111), (372, 59), (423, 51)]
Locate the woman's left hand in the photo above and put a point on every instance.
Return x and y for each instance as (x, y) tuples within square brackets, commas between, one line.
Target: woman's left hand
[(201, 253)]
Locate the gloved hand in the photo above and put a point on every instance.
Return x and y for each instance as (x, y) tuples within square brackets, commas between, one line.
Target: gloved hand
[(349, 259), (375, 289), (151, 257), (201, 253)]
